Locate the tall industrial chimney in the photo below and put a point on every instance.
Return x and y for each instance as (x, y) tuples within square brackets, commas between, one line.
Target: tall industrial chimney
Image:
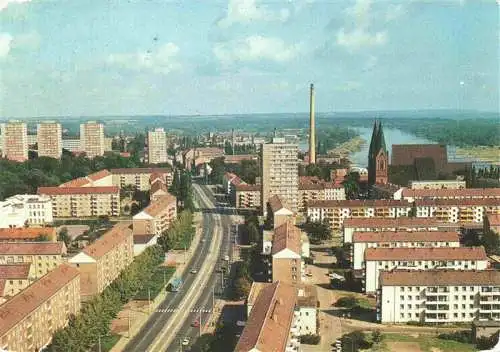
[(312, 128)]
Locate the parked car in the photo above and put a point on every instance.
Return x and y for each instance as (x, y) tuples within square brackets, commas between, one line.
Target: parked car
[(185, 342), (195, 324), (226, 258), (194, 271)]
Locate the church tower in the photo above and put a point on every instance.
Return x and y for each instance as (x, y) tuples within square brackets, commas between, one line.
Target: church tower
[(378, 157)]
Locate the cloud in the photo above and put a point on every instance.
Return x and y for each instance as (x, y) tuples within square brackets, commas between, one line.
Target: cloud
[(164, 60), (360, 33), (5, 44), (245, 11), (5, 3), (255, 48)]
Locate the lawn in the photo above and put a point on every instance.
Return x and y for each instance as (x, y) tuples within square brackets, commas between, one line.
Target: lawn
[(156, 283), (427, 343)]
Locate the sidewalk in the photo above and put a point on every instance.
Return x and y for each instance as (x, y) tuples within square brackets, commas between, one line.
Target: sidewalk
[(135, 314)]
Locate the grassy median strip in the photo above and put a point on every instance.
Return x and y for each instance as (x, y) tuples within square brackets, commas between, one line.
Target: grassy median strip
[(158, 280)]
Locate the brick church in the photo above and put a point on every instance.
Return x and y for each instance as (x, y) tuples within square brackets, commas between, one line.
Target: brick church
[(378, 157)]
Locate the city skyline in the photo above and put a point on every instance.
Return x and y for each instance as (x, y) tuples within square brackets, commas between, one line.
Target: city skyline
[(361, 55)]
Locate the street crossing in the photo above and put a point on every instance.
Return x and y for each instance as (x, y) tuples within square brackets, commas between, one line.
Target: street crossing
[(194, 310)]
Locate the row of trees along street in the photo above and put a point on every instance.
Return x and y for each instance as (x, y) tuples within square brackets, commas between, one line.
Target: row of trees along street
[(93, 321)]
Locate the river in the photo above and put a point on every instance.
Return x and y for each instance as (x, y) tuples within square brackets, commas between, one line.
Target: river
[(392, 136)]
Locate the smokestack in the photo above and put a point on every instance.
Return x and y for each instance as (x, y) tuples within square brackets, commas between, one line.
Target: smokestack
[(312, 128)]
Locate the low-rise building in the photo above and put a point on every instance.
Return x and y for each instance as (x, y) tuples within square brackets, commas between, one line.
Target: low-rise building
[(25, 209), (157, 217), (28, 234), (463, 211), (492, 222), (278, 213), (140, 177), (287, 264), (97, 179), (438, 184), (352, 225), (44, 256), (14, 278), (273, 324), (412, 195), (399, 239), (101, 262), (312, 188), (83, 201), (438, 296), (306, 309), (247, 196), (29, 319), (461, 258), (336, 211)]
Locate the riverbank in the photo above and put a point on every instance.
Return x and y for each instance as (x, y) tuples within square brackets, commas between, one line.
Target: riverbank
[(353, 145), (481, 153)]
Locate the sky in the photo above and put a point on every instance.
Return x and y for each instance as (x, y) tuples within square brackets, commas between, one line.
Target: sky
[(183, 57)]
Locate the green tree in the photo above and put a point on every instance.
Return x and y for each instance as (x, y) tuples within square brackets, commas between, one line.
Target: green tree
[(318, 231), (377, 337), (491, 242), (64, 236), (242, 287), (253, 233)]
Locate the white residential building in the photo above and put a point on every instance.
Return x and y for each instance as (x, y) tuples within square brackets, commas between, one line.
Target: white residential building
[(25, 209), (393, 224), (157, 146), (438, 296), (461, 258), (437, 184), (73, 145), (457, 210), (412, 195), (399, 239), (49, 139), (92, 139)]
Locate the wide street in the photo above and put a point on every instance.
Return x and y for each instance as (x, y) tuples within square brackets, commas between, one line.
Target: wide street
[(171, 323)]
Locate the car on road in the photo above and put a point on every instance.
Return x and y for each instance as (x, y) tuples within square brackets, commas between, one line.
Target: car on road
[(226, 258), (203, 240), (185, 342), (194, 271), (195, 324)]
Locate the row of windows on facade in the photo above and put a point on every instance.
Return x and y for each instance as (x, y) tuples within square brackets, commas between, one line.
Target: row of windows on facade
[(433, 262), (447, 289)]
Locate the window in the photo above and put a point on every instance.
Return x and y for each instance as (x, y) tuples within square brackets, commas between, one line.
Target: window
[(409, 306), (409, 298), (464, 297), (455, 315), (402, 306), (472, 297), (456, 288), (455, 306), (402, 289), (401, 298), (464, 288), (463, 306), (471, 306), (402, 315), (456, 298), (471, 289)]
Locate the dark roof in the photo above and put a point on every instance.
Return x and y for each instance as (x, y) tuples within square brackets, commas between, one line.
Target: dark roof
[(142, 239)]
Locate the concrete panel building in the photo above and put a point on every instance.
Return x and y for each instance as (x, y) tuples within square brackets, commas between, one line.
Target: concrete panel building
[(83, 201), (312, 188), (157, 146), (280, 173), (157, 217), (438, 296), (92, 141), (29, 319), (140, 177), (14, 278), (101, 262), (15, 141), (399, 239), (463, 211), (26, 209), (437, 184), (380, 259), (43, 256), (411, 195), (247, 196), (49, 139)]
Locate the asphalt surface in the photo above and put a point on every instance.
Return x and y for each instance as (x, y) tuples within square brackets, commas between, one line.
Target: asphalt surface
[(204, 304), (157, 320)]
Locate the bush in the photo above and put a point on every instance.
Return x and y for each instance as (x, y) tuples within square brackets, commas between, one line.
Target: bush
[(464, 336), (415, 323), (355, 341), (347, 302), (310, 339)]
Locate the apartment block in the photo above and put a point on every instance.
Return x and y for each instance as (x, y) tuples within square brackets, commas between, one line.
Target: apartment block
[(272, 325), (305, 310), (336, 211), (463, 211), (140, 177), (312, 188), (247, 196), (411, 195), (461, 258), (97, 179), (437, 184), (399, 239), (157, 217), (25, 209), (28, 234), (92, 139), (43, 256), (198, 156), (277, 213), (102, 262), (158, 189), (29, 319), (279, 166), (49, 139), (230, 181), (157, 146), (14, 278), (72, 144), (287, 264), (83, 201), (15, 141), (406, 224), (438, 296)]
